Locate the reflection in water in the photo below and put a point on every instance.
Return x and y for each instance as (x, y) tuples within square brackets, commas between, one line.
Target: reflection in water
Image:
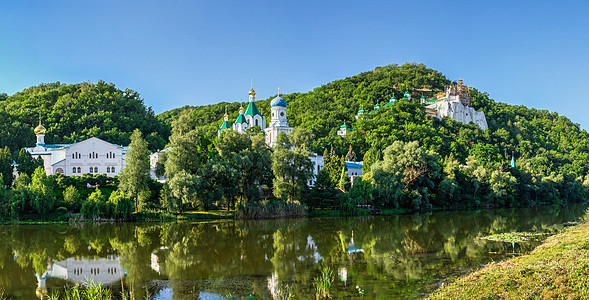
[(98, 271), (379, 257)]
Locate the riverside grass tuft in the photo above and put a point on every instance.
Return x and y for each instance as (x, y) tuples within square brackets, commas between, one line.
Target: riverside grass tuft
[(557, 269), (91, 292), (271, 210), (323, 283)]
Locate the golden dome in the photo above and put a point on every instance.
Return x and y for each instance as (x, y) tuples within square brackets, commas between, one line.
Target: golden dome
[(40, 129), (252, 92)]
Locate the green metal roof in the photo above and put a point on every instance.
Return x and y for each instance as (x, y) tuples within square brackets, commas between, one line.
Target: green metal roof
[(240, 119), (252, 110), (225, 125)]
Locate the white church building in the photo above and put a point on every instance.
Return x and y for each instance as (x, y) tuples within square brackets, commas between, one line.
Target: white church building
[(252, 117), (94, 156)]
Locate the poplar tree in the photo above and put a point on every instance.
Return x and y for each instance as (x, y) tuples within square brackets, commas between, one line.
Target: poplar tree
[(6, 166), (134, 178), (42, 191)]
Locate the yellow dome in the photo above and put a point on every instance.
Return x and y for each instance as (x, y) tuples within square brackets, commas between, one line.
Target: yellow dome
[(252, 92), (40, 129)]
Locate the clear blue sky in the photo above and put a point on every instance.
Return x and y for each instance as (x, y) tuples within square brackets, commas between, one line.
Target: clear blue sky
[(190, 52)]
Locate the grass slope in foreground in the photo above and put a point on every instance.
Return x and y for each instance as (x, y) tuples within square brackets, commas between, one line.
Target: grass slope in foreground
[(558, 269)]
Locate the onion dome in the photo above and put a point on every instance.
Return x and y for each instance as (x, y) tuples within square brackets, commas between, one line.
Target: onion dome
[(40, 129), (278, 101), (252, 92), (361, 111), (406, 94)]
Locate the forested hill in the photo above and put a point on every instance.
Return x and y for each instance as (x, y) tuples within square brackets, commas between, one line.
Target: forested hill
[(541, 141), (74, 112)]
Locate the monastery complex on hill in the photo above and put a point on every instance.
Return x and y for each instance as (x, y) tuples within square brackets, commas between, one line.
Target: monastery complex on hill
[(96, 156)]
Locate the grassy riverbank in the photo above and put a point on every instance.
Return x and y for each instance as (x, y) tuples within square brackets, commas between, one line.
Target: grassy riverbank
[(557, 269)]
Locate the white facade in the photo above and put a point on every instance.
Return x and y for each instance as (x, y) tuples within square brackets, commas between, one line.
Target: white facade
[(455, 110), (153, 160), (103, 271), (93, 156), (354, 168), (456, 104)]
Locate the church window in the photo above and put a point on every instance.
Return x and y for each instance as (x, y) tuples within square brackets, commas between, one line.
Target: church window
[(282, 114), (95, 169), (74, 170), (91, 169), (256, 122), (112, 169), (107, 169), (272, 115), (59, 171), (79, 170)]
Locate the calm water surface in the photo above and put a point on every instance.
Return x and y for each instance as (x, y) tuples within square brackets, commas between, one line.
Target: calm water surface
[(399, 257)]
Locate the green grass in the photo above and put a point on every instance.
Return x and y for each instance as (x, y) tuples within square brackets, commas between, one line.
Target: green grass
[(557, 269), (323, 283)]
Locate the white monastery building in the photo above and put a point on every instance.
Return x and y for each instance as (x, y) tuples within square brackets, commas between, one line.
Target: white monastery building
[(93, 156), (455, 103)]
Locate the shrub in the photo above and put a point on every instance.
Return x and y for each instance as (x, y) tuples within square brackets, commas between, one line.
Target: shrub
[(271, 210)]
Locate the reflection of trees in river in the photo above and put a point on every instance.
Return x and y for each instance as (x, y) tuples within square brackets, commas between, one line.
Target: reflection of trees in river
[(408, 252)]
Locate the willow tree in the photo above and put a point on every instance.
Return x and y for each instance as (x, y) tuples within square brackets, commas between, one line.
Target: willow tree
[(134, 178)]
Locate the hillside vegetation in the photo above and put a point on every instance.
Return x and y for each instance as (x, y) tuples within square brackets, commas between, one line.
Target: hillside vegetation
[(542, 142), (74, 112)]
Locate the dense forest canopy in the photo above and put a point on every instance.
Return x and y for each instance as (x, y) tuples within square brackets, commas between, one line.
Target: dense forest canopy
[(74, 112)]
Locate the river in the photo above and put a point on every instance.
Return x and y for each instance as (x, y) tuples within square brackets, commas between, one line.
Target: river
[(391, 257)]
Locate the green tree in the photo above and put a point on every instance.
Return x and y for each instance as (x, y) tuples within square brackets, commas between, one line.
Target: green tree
[(6, 166), (344, 181), (121, 205), (250, 158), (291, 164), (71, 196), (417, 168), (134, 178), (322, 194), (42, 192), (26, 163)]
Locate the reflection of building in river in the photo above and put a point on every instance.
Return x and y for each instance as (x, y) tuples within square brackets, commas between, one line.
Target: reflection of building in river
[(157, 257), (352, 247), (103, 271)]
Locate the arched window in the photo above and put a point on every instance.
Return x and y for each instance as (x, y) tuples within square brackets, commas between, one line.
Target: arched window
[(112, 169), (79, 170), (59, 171), (74, 170), (95, 169), (107, 169), (256, 122), (91, 169)]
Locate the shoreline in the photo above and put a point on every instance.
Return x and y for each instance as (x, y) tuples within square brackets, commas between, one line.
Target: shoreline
[(559, 266)]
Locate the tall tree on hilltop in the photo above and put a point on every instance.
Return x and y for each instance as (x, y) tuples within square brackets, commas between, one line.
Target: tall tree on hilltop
[(134, 178)]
